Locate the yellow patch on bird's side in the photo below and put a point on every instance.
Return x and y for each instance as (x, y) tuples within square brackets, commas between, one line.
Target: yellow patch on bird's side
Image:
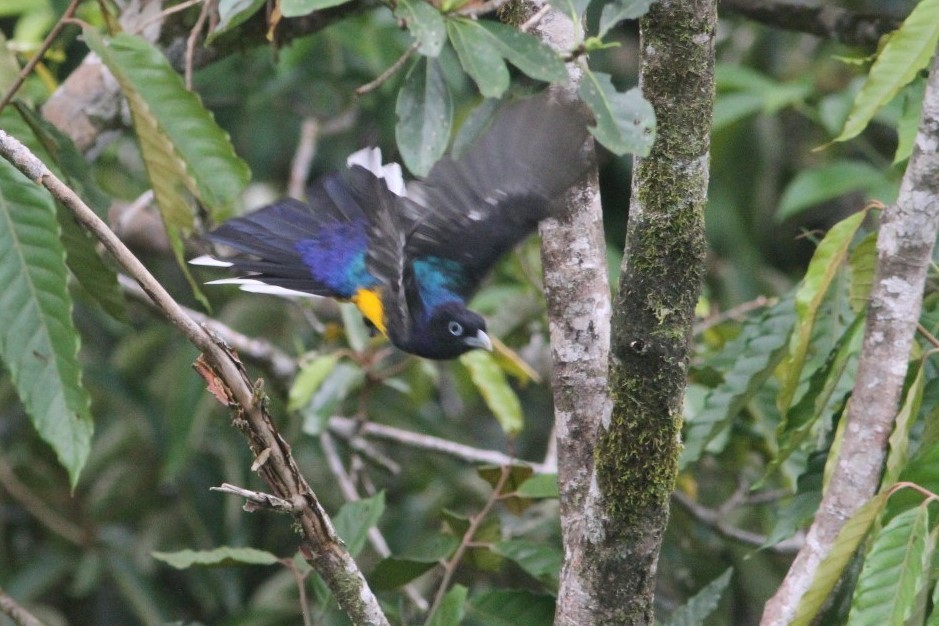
[(369, 303)]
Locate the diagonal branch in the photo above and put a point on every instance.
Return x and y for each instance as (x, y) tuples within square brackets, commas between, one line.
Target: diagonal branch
[(904, 251), (228, 379)]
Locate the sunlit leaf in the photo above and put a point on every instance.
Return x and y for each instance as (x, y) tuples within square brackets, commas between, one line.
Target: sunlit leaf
[(699, 607), (219, 557), (625, 120), (478, 56), (425, 116), (495, 389), (425, 23)]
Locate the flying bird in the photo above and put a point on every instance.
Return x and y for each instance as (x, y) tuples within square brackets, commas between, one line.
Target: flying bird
[(411, 255)]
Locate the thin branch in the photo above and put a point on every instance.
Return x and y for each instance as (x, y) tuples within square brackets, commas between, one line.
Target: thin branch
[(46, 44), (162, 15), (227, 379), (193, 39), (300, 580), (475, 10), (736, 313), (36, 507), (257, 499), (391, 71), (303, 158), (822, 20), (534, 19), (16, 612)]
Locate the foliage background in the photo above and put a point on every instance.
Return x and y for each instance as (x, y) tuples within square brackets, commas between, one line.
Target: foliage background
[(85, 556)]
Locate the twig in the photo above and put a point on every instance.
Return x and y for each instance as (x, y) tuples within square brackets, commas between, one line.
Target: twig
[(303, 158), (33, 62), (927, 335), (392, 69), (257, 499), (182, 6), (475, 521), (534, 19), (300, 579), (475, 10), (349, 428), (226, 377), (36, 507), (16, 612), (193, 39), (734, 313)]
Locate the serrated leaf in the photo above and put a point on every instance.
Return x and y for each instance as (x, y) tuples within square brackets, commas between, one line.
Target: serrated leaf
[(495, 389), (825, 263), (618, 10), (814, 186), (833, 564), (233, 13), (540, 560), (894, 570), (425, 116), (38, 341), (540, 486), (907, 51), (698, 608), (451, 609), (355, 519), (224, 556), (425, 23), (625, 121), (308, 380), (478, 56), (297, 8), (525, 52), (512, 608), (752, 357)]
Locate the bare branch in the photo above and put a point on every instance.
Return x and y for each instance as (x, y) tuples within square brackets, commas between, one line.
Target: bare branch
[(38, 508), (393, 69), (904, 250), (16, 612), (257, 499)]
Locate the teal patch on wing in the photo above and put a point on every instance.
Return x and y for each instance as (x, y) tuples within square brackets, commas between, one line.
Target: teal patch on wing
[(438, 280)]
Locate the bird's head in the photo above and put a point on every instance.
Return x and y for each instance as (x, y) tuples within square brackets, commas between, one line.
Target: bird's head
[(452, 330)]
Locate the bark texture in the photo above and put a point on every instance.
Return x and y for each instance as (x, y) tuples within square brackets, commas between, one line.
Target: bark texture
[(904, 251)]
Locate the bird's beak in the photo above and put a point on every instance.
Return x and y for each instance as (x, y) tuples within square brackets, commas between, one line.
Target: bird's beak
[(481, 340)]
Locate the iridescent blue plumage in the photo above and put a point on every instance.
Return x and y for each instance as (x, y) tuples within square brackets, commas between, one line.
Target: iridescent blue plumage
[(438, 281), (336, 258)]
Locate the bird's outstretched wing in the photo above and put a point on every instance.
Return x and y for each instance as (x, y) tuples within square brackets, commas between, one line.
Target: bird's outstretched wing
[(472, 209)]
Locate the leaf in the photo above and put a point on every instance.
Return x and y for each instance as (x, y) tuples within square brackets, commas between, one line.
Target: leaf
[(625, 121), (224, 556), (898, 454), (574, 9), (298, 8), (894, 571), (833, 180), (752, 358), (825, 263), (512, 608), (38, 342), (540, 486), (526, 52), (908, 124), (518, 474), (450, 611), (907, 51), (233, 13), (499, 396), (478, 56), (338, 384), (425, 116), (833, 564), (308, 380), (618, 10), (355, 519), (861, 264), (393, 572), (698, 608), (425, 23), (541, 560), (512, 363)]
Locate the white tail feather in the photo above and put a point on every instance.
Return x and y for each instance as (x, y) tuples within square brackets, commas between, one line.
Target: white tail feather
[(209, 261), (370, 159)]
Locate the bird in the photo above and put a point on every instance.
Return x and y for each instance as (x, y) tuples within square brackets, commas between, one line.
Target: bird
[(410, 255)]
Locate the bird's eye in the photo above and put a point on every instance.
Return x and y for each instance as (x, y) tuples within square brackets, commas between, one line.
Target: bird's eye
[(455, 328)]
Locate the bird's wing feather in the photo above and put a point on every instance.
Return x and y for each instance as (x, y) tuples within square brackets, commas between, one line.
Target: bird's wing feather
[(474, 208)]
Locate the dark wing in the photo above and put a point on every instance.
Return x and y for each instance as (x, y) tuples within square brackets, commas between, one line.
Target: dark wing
[(316, 248), (474, 208)]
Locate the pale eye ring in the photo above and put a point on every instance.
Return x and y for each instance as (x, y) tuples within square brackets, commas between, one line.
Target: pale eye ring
[(455, 328)]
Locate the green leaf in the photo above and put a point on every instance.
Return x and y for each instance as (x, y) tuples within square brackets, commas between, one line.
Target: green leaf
[(900, 437), (308, 380), (233, 13), (861, 265), (297, 8), (541, 560), (425, 23), (339, 383), (525, 52), (907, 51), (698, 608), (495, 389), (833, 180), (38, 342), (425, 116), (478, 56), (833, 564), (752, 358), (540, 486), (512, 608), (908, 124), (355, 519), (394, 572), (894, 571), (224, 556), (356, 331), (619, 10), (825, 263), (518, 474), (451, 609), (574, 9), (625, 121)]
